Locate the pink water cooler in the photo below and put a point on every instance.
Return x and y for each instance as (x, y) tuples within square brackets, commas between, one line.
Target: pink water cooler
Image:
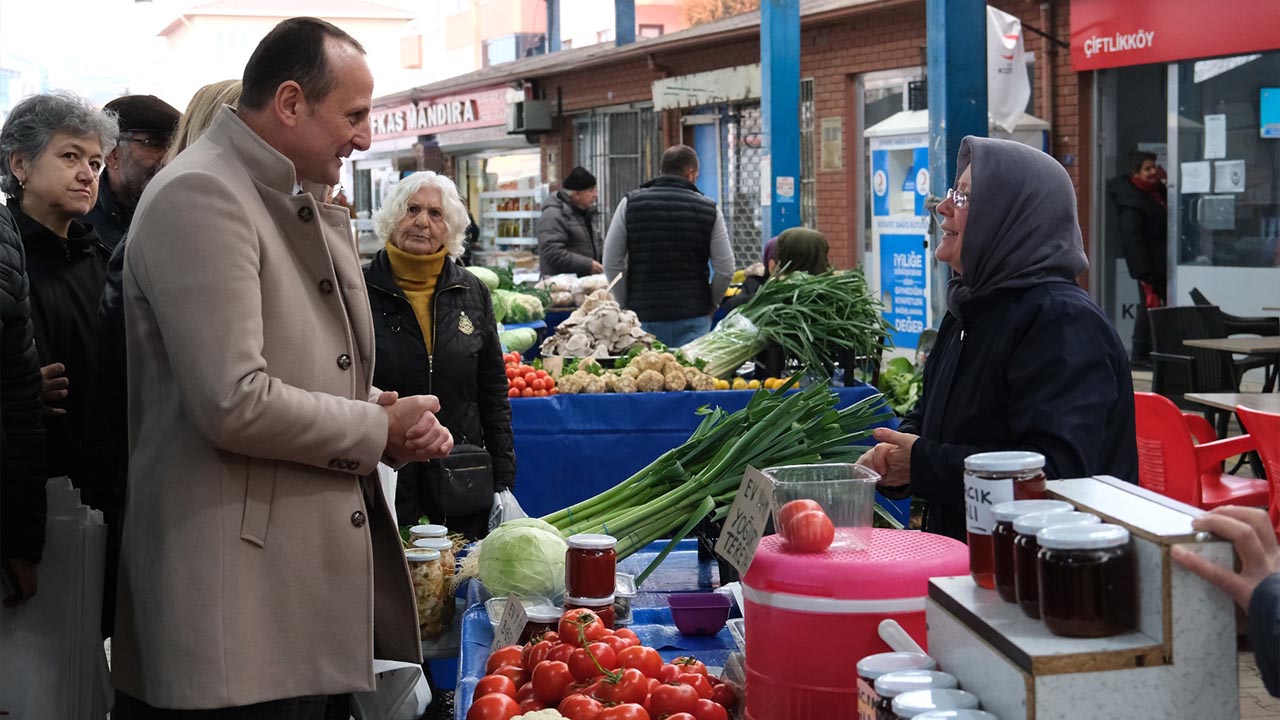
[(811, 617)]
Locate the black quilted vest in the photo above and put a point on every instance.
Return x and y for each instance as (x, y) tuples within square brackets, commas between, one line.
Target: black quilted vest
[(669, 225)]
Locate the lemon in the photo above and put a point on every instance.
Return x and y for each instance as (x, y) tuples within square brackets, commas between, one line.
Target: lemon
[(739, 384), (753, 385)]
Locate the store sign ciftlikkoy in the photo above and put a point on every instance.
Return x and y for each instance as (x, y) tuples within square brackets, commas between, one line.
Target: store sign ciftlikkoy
[(1107, 33)]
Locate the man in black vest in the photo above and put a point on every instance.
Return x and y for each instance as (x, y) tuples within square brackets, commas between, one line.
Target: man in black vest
[(661, 239)]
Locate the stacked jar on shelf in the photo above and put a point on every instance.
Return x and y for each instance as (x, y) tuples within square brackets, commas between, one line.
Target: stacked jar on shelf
[(590, 574)]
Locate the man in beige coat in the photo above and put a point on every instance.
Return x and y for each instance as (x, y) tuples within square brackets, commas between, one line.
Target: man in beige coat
[(261, 571)]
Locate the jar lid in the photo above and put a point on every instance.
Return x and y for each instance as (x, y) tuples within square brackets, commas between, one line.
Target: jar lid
[(589, 602), (911, 704), (434, 543), (895, 683), (963, 714), (1006, 461), (542, 614), (417, 555), (873, 666), (592, 541), (1034, 523), (428, 531), (1083, 537), (1012, 510)]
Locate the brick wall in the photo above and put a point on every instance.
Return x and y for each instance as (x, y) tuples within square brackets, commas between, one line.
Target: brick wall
[(833, 56)]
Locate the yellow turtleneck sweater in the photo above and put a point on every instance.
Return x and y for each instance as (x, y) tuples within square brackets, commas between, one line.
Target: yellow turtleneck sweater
[(417, 275)]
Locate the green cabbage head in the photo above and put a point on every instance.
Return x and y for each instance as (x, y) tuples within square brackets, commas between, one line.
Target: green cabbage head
[(523, 559)]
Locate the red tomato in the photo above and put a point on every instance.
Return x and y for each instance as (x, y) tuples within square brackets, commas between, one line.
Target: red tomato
[(580, 707), (669, 673), (532, 705), (626, 711), (495, 684), (539, 393), (790, 510), (540, 373), (631, 686), (644, 659), (627, 633), (525, 692), (724, 695), (710, 710), (575, 621), (673, 699), (529, 377), (550, 678), (513, 393), (549, 381), (560, 652), (697, 682), (553, 391), (518, 675), (537, 384), (518, 383), (511, 372), (493, 707), (534, 653), (509, 655), (682, 716), (811, 531), (527, 392), (584, 668), (688, 663), (617, 643), (551, 636)]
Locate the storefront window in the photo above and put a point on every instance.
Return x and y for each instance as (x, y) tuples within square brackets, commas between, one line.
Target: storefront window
[(808, 181), (504, 191), (622, 148)]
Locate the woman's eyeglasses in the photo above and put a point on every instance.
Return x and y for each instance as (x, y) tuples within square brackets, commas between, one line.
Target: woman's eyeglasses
[(957, 198)]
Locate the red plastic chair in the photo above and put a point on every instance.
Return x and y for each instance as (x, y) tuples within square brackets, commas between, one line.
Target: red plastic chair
[(1265, 428), (1170, 463)]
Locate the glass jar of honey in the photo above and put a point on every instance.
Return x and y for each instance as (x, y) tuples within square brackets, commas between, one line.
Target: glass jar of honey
[(1087, 580), (990, 479), (590, 565), (917, 702), (1002, 538), (891, 685), (602, 607), (1025, 550), (872, 667)]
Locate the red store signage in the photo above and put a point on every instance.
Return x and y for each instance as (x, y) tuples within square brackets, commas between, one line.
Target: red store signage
[(482, 108), (1115, 33)]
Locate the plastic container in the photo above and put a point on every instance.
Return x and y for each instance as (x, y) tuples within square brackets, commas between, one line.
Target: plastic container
[(965, 714), (602, 607), (912, 704), (738, 629), (494, 607), (1025, 550), (1087, 580), (990, 479), (891, 685), (699, 613), (1002, 539), (874, 667), (808, 623), (590, 565), (846, 492), (624, 592), (418, 532)]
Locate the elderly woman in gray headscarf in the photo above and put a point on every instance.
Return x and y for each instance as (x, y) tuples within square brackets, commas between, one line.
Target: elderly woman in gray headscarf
[(1025, 360)]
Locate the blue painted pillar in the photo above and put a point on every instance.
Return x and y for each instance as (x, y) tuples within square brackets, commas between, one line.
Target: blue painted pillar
[(957, 38), (624, 22), (780, 104), (553, 26)]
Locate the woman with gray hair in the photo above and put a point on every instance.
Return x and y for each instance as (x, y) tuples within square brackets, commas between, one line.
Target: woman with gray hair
[(436, 335), (51, 150)]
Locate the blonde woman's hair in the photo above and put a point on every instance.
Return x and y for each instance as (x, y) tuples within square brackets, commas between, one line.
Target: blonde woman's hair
[(397, 204), (200, 112)]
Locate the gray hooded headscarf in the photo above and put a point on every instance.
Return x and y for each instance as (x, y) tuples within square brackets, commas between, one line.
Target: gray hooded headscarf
[(1022, 228)]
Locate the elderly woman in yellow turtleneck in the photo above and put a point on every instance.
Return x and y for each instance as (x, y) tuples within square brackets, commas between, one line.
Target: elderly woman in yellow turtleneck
[(436, 335)]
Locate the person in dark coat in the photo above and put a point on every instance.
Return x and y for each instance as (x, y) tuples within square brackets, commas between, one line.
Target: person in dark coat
[(53, 147), (435, 333), (22, 464), (146, 124), (1024, 360), (1140, 200), (568, 241), (1255, 587)]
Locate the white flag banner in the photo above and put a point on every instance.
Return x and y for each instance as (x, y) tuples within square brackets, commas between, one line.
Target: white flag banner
[(1008, 87)]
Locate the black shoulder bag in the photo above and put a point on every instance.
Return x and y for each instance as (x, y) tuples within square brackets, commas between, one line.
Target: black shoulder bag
[(462, 483)]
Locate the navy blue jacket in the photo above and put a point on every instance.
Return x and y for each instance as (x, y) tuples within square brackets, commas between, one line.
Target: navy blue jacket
[(1038, 369), (1264, 631)]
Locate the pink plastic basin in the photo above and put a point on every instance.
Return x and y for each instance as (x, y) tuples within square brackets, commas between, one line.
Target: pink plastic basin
[(699, 613)]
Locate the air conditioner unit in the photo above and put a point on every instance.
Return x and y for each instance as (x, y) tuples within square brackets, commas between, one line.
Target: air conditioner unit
[(528, 116)]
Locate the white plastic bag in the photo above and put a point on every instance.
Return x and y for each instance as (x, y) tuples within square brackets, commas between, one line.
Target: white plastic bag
[(402, 693), (388, 478), (505, 507)]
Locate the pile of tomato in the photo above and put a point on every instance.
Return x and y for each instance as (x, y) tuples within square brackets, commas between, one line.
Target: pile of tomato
[(524, 381), (588, 672)]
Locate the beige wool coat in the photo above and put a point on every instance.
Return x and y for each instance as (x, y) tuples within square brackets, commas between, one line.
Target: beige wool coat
[(259, 560)]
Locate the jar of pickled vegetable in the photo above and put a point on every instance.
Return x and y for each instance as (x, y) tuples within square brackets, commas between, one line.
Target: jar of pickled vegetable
[(418, 532), (590, 565), (1087, 580), (429, 590), (444, 546)]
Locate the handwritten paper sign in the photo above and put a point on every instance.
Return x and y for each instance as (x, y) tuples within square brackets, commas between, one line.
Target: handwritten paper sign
[(512, 624), (744, 525)]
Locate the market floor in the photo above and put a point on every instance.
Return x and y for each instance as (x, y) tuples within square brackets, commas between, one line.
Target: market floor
[(1255, 703)]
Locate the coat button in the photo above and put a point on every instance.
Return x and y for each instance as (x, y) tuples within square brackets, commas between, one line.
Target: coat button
[(357, 518), (344, 362), (326, 286), (305, 214)]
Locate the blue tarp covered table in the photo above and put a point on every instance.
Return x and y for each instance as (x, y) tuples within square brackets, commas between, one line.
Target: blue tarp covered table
[(571, 447)]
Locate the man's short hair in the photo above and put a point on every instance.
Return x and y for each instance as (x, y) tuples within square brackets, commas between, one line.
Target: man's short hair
[(678, 160), (293, 50), (1137, 157)]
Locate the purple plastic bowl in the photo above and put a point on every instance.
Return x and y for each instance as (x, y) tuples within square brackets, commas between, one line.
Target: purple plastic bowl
[(699, 613)]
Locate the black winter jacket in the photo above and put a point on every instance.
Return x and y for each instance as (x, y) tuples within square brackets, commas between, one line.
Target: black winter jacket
[(109, 216), (567, 237), (1264, 630), (465, 372), (67, 278), (1037, 369), (22, 462), (669, 224), (1143, 231)]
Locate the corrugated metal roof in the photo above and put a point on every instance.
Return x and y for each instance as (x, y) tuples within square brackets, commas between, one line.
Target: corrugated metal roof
[(744, 25)]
